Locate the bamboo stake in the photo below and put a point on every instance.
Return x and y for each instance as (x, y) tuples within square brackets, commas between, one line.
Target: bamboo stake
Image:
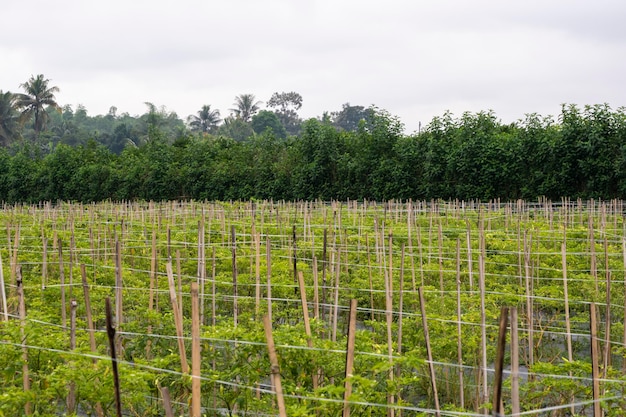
[(178, 319), (195, 353), (71, 387), (167, 403), (274, 368), (349, 358), (22, 312), (111, 336), (499, 364), (431, 367), (5, 307), (118, 293), (257, 276), (44, 264), (62, 284), (234, 260), (458, 325), (515, 401), (268, 261), (607, 315), (316, 295), (305, 314), (595, 374)]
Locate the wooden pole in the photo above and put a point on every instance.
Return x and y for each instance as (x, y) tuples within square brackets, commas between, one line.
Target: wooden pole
[(349, 358), (62, 283), (234, 260), (71, 387), (167, 403), (119, 311), (459, 333), (515, 401), (274, 368), (90, 326), (178, 319), (305, 314), (195, 353), (111, 336), (499, 364), (5, 307), (595, 374), (431, 367), (22, 311)]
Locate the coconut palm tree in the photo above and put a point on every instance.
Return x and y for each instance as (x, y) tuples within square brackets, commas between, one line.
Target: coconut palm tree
[(206, 121), (9, 126), (38, 97), (245, 106)]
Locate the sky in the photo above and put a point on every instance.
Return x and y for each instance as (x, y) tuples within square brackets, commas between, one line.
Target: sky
[(415, 59)]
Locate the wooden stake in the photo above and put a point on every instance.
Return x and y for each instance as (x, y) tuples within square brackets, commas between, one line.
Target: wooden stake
[(595, 374), (497, 408), (431, 367), (305, 314), (22, 311), (71, 386), (5, 307), (349, 358), (274, 368), (62, 283), (167, 403), (515, 402), (234, 260), (111, 336), (458, 325), (119, 311), (195, 353), (90, 326), (178, 318)]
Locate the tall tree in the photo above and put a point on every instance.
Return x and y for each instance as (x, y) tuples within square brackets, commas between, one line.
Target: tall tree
[(8, 118), (206, 121), (39, 95), (246, 106), (348, 117), (287, 106)]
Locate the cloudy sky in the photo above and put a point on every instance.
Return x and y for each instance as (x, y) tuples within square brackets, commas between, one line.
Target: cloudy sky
[(414, 58)]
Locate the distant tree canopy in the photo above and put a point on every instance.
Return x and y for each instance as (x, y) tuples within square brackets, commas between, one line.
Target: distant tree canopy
[(53, 152)]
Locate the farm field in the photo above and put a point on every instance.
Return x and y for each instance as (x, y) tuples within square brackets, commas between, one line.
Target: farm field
[(374, 309)]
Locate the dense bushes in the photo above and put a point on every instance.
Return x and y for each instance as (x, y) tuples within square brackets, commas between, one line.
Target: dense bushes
[(583, 154)]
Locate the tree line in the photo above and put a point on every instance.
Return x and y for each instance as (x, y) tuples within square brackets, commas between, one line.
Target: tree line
[(356, 153)]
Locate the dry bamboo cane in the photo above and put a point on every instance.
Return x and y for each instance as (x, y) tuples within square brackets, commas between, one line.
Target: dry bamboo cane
[(62, 284), (195, 353), (71, 386), (349, 358), (234, 260), (307, 324), (607, 315), (178, 319), (5, 307), (499, 364), (429, 354), (111, 337), (483, 327), (167, 403), (22, 312), (90, 325), (389, 316), (268, 261), (458, 325), (118, 294), (274, 368), (515, 401), (595, 374)]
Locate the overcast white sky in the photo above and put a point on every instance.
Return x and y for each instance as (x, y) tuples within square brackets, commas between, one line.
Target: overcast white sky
[(414, 58)]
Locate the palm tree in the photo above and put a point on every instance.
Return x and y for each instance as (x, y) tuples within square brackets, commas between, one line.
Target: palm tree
[(206, 121), (38, 95), (245, 106), (8, 118)]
